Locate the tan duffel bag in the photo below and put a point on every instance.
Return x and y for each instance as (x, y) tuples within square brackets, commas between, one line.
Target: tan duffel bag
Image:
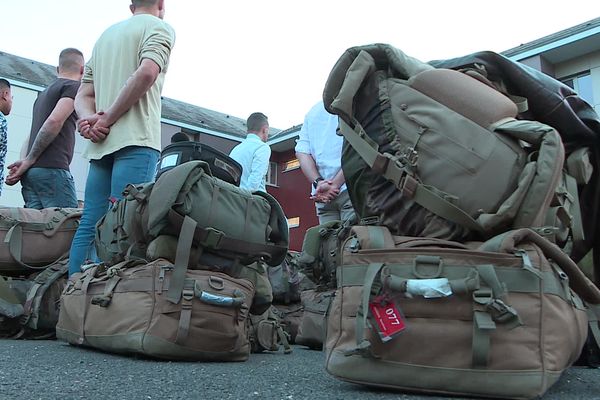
[(496, 321), (34, 239), (134, 307)]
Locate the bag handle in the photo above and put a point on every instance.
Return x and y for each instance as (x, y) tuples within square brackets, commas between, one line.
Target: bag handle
[(509, 241), (14, 239)]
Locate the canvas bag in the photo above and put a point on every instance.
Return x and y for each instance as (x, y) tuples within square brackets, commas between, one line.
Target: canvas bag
[(287, 281), (318, 259), (291, 317), (437, 153), (313, 326), (165, 246), (128, 308), (34, 239), (29, 307), (267, 332), (232, 224), (511, 326)]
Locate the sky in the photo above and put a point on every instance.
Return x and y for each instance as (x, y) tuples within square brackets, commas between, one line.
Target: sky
[(274, 56)]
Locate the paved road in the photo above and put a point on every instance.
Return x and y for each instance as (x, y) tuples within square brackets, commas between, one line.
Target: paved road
[(32, 370)]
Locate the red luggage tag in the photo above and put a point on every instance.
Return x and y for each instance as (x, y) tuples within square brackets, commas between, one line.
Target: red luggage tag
[(389, 321)]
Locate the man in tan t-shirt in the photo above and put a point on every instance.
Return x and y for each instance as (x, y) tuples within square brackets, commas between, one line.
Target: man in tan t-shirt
[(119, 107)]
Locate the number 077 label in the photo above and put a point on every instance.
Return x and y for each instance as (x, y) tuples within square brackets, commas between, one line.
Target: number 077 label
[(388, 319)]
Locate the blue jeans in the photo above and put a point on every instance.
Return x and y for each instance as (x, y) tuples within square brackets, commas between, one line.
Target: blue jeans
[(48, 187), (106, 179)]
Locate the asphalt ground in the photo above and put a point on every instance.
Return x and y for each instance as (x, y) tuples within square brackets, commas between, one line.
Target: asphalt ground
[(56, 370)]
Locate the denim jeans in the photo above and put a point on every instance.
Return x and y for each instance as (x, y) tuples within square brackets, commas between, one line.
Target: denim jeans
[(106, 179), (48, 187)]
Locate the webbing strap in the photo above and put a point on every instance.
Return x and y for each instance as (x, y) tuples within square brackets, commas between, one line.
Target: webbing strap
[(488, 274), (363, 310), (575, 211), (214, 203), (182, 258), (402, 179), (217, 240), (84, 289), (287, 349), (185, 316), (249, 209), (14, 239), (482, 328), (109, 288)]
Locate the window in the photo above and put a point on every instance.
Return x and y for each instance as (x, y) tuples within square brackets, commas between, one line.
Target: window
[(582, 84), (291, 165), (272, 174), (293, 222)]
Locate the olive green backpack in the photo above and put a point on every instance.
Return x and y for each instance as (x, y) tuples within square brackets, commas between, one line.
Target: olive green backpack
[(440, 153), (233, 225)]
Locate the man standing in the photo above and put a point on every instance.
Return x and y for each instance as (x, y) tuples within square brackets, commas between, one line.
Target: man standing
[(319, 150), (119, 106), (44, 173), (6, 101), (253, 153)]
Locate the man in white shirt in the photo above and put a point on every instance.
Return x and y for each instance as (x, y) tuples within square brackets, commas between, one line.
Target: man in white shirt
[(319, 150), (253, 153)]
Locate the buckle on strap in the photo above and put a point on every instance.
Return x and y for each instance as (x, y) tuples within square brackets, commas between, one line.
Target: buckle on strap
[(212, 239), (498, 309)]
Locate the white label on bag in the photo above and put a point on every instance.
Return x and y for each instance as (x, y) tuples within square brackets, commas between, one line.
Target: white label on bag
[(169, 161), (429, 288)]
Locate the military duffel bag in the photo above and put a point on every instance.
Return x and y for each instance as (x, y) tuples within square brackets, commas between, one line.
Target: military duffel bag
[(502, 320), (139, 308), (34, 239), (29, 307), (233, 224)]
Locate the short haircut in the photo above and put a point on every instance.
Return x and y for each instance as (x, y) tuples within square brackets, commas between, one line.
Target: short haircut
[(256, 121), (70, 60), (143, 3), (4, 84)]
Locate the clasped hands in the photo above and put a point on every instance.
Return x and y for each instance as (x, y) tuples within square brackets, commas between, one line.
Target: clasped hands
[(95, 127), (326, 191)]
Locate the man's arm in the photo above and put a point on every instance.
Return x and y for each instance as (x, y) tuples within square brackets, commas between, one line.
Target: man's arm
[(46, 135), (259, 168), (135, 88), (308, 166)]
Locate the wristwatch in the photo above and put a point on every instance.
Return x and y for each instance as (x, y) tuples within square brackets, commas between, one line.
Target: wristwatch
[(316, 181)]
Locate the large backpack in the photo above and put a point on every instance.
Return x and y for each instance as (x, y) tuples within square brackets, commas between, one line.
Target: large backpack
[(499, 319), (233, 225), (438, 153)]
